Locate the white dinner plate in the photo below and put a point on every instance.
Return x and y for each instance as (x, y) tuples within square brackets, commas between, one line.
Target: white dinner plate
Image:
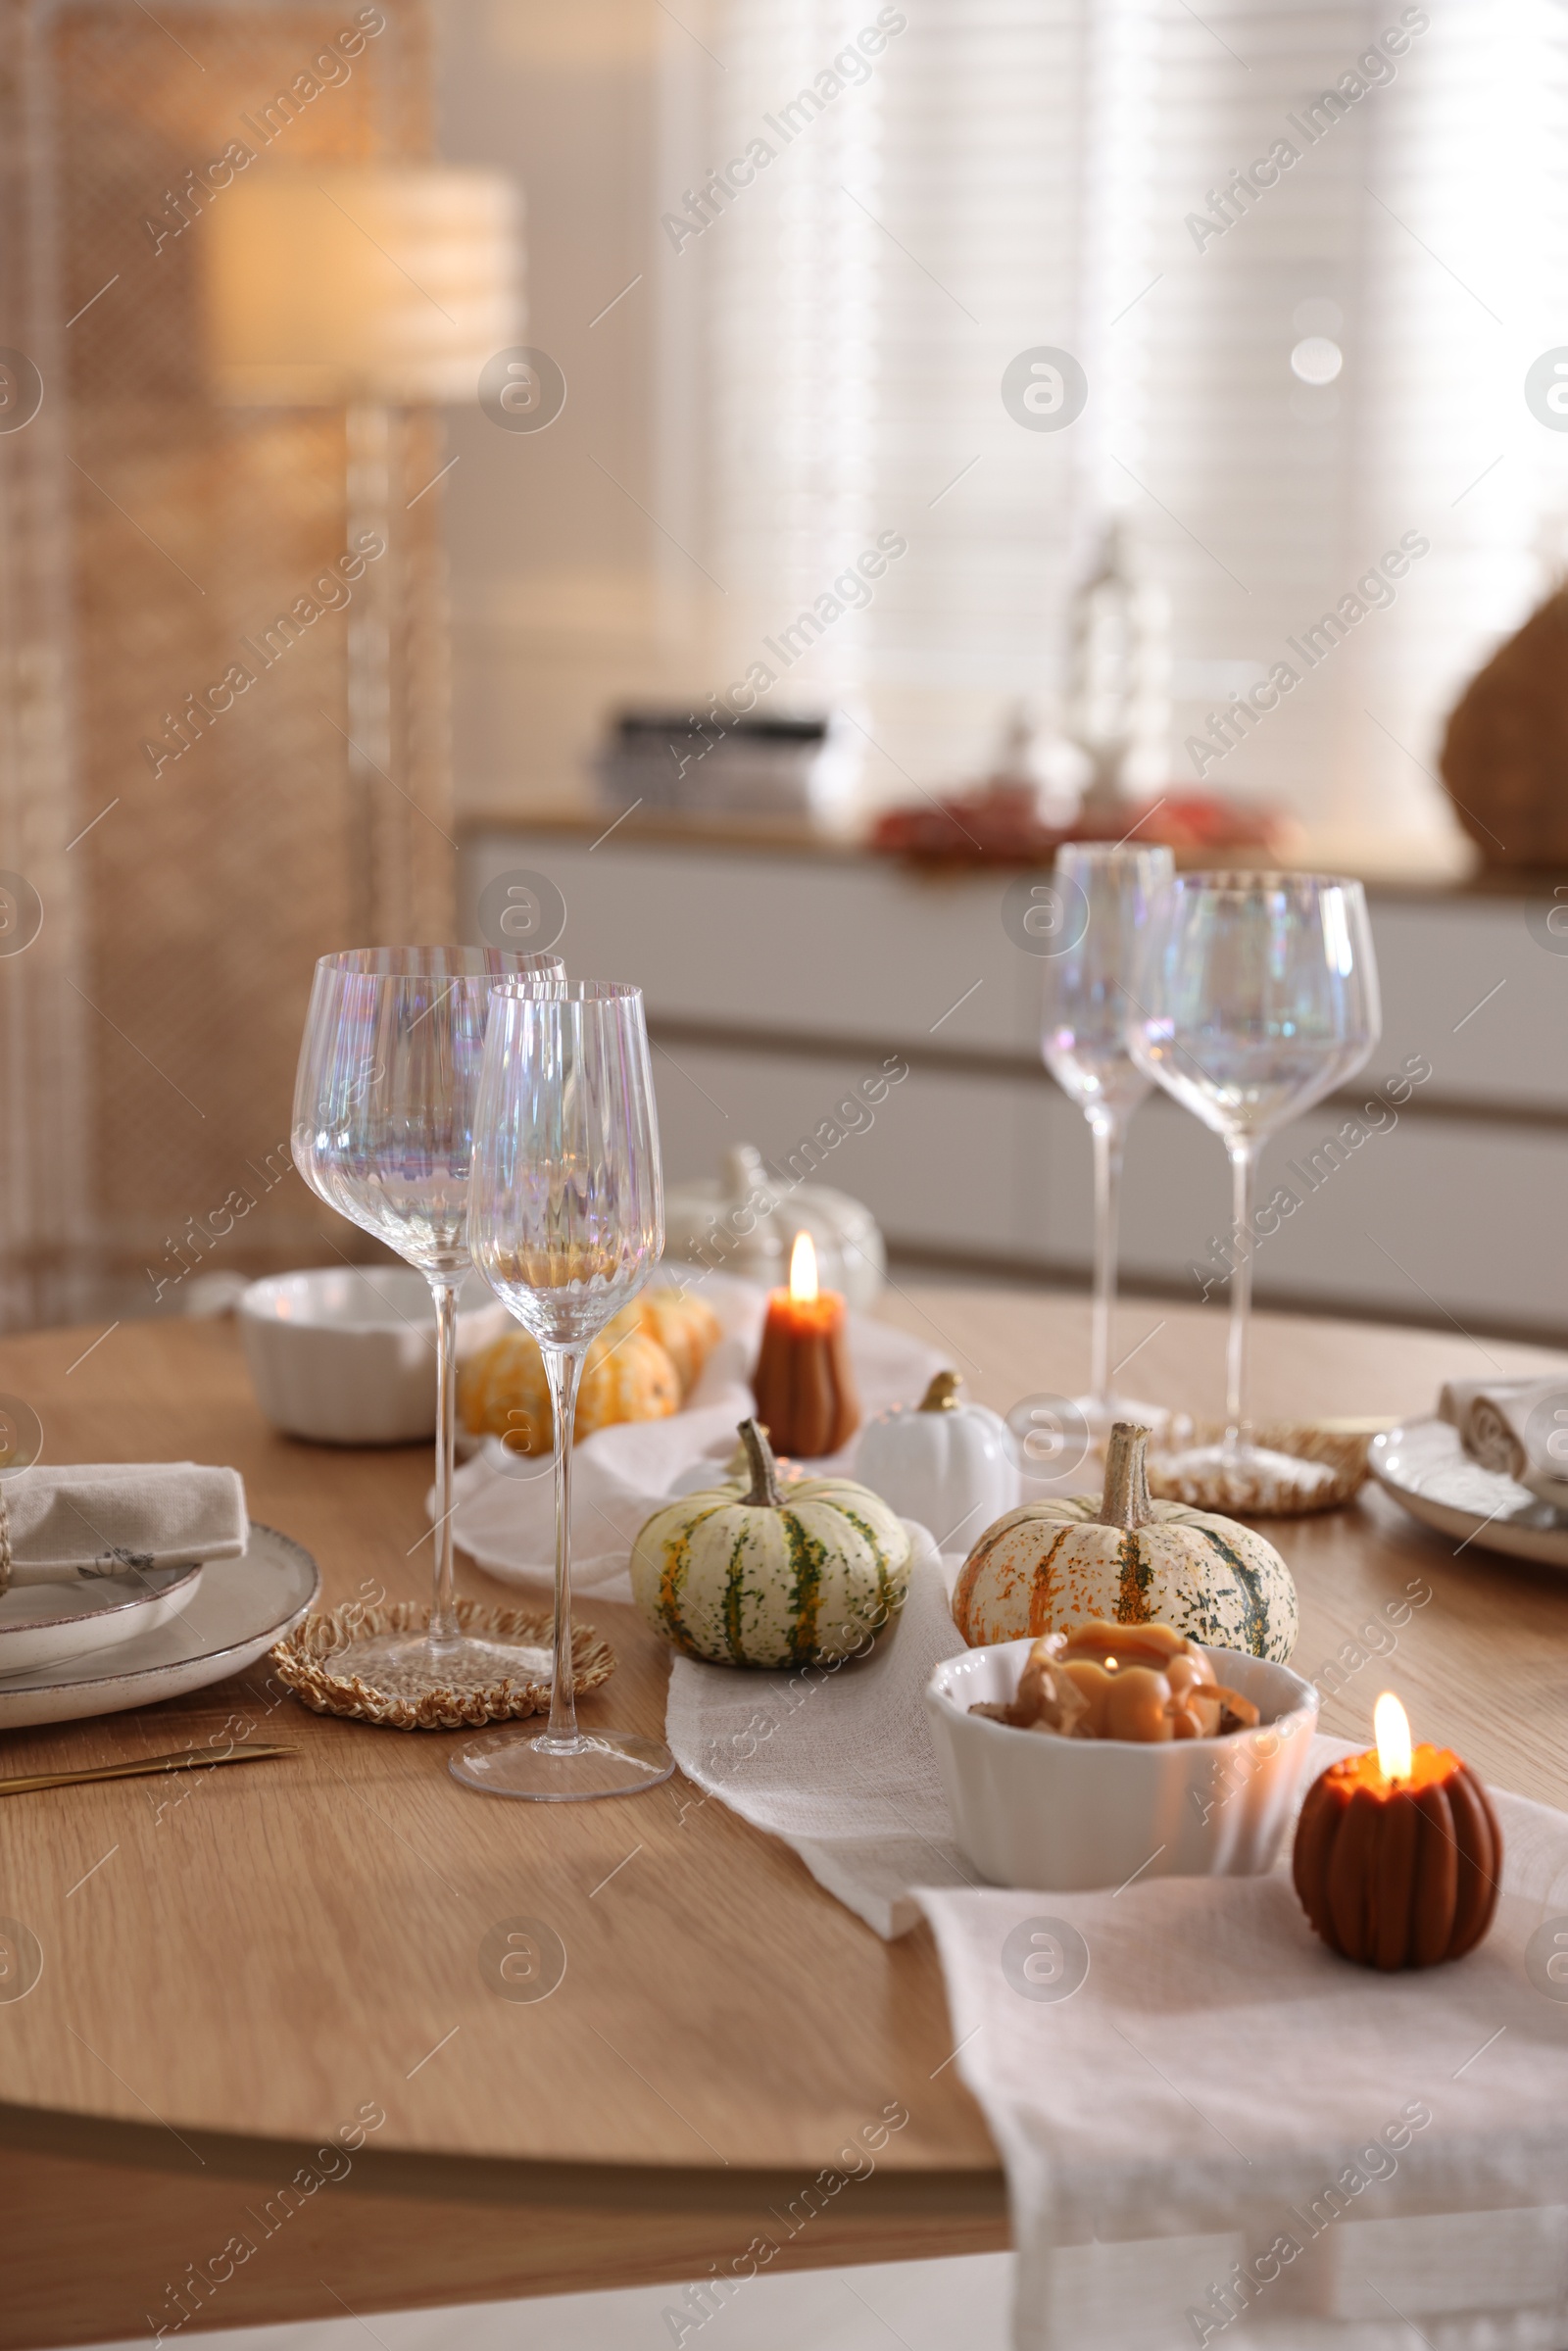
[(46, 1626), (239, 1609), (1427, 1469)]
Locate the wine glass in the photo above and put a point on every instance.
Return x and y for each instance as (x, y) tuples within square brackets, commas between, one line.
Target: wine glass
[(1084, 1044), (565, 1222), (1255, 995), (383, 1123)]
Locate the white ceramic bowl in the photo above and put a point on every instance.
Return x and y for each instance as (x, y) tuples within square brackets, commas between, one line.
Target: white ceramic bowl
[(1065, 1815), (346, 1355)]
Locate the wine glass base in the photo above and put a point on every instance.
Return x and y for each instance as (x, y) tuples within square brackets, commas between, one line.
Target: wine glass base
[(543, 1770), (1241, 1477), (1100, 1413), (408, 1665)]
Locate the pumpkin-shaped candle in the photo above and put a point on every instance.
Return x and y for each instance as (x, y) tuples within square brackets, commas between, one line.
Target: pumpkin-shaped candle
[(803, 1385), (1398, 1851)]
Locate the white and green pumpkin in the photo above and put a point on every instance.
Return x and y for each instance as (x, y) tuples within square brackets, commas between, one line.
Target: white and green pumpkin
[(772, 1574), (1055, 1564)]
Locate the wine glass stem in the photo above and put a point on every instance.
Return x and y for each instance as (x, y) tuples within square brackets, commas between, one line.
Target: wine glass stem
[(1243, 1185), (562, 1370), (443, 1633), (1111, 1134)]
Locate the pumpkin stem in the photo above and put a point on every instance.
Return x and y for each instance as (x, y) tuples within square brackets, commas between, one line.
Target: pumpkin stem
[(1126, 1502), (943, 1393), (765, 1493)]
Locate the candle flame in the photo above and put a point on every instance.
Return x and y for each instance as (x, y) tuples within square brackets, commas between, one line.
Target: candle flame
[(1391, 1727), (803, 1267)]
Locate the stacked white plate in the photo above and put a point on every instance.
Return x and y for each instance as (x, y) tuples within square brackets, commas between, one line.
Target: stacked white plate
[(1426, 1469), (98, 1644)]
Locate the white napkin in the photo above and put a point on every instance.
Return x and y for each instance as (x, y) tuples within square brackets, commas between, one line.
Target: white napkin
[(505, 1515), (837, 1759), (100, 1518), (1187, 2077), (1511, 1426)]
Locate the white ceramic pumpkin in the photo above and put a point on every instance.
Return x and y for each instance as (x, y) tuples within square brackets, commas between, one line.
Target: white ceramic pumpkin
[(1054, 1564), (779, 1575), (745, 1221), (951, 1465)]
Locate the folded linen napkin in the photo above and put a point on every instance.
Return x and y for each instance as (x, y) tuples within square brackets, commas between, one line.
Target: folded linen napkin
[(505, 1517), (102, 1518), (1517, 1427), (1216, 2132)]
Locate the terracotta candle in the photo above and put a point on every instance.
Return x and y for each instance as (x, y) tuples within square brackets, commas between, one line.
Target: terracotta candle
[(805, 1389), (1398, 1852)]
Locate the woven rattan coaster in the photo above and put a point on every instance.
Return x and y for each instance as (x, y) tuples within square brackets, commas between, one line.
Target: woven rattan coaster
[(1332, 1467), (304, 1663)]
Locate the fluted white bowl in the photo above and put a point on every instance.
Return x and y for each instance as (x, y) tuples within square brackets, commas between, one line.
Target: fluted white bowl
[(346, 1354), (1066, 1815)]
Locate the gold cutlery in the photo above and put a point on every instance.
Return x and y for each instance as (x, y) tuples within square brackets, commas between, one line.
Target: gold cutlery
[(184, 1759)]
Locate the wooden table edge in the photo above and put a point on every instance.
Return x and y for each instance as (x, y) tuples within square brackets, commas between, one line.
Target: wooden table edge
[(399, 2228), (476, 2179)]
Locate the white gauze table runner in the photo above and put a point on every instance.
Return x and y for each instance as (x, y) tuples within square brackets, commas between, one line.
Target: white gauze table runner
[(835, 1759), (1216, 2132)]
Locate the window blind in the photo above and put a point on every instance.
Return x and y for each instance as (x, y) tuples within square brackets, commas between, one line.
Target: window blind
[(1305, 257)]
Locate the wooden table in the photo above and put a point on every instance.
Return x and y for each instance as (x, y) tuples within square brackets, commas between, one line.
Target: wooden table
[(238, 1989)]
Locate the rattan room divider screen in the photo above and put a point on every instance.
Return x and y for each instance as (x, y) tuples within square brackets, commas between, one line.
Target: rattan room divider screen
[(187, 870)]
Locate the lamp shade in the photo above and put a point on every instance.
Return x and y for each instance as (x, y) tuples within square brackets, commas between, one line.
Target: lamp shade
[(390, 286)]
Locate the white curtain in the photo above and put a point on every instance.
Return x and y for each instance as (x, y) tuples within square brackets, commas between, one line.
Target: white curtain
[(996, 175), (45, 1265)]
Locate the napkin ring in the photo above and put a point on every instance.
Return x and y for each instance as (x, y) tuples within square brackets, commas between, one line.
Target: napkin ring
[(304, 1663)]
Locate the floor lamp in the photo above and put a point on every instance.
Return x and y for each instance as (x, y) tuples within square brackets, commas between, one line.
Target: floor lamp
[(364, 290)]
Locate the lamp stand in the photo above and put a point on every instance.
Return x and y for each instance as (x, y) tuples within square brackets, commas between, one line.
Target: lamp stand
[(368, 438)]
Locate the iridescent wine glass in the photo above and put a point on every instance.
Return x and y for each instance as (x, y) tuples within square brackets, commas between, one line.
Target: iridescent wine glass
[(566, 1222), (1255, 995), (1084, 1042), (383, 1129)]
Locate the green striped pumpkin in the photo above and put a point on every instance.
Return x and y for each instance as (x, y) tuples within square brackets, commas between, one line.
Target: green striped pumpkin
[(1054, 1565), (771, 1576)]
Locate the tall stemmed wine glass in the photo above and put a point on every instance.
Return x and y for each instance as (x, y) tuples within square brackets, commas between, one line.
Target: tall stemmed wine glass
[(566, 1222), (1083, 1039), (383, 1126), (1256, 993)]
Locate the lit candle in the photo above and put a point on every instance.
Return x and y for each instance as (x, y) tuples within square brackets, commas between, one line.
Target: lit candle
[(1398, 1851), (804, 1384)]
